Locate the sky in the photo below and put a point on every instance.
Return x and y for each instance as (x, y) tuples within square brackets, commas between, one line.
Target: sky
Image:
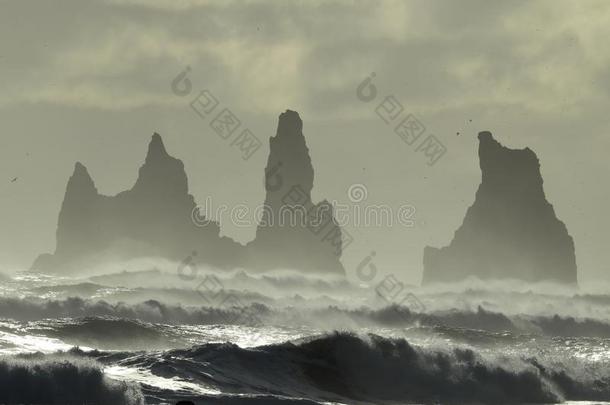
[(91, 82)]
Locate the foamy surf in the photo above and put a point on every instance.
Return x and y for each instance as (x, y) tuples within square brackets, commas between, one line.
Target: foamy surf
[(163, 351)]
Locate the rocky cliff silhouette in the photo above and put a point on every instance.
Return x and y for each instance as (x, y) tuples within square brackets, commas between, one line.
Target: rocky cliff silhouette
[(511, 231), (154, 219), (294, 231)]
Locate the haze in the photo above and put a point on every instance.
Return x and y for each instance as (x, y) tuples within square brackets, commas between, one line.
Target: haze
[(90, 82)]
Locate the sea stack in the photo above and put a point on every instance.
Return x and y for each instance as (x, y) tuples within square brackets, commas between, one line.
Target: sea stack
[(152, 219), (158, 218), (295, 233), (511, 231)]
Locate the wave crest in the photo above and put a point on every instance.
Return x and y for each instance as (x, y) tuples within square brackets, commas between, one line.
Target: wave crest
[(55, 380), (372, 368)]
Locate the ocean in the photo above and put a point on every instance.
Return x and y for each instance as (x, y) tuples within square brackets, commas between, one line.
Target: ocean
[(149, 336)]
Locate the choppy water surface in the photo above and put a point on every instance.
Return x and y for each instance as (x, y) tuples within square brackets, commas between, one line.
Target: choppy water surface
[(289, 340)]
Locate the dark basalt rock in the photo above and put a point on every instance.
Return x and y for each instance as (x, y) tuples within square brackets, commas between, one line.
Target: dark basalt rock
[(511, 231), (294, 231), (154, 218)]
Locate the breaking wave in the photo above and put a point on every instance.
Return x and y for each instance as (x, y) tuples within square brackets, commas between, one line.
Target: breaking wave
[(109, 333), (345, 366), (330, 317), (37, 379)]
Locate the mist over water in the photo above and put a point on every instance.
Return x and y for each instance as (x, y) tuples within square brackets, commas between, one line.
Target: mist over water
[(267, 202), (148, 335)]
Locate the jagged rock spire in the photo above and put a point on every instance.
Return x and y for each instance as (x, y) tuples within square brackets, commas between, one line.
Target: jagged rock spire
[(511, 231), (155, 217), (161, 172), (287, 237), (80, 181), (156, 149)]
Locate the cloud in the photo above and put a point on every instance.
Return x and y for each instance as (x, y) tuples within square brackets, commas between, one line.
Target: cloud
[(263, 56)]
